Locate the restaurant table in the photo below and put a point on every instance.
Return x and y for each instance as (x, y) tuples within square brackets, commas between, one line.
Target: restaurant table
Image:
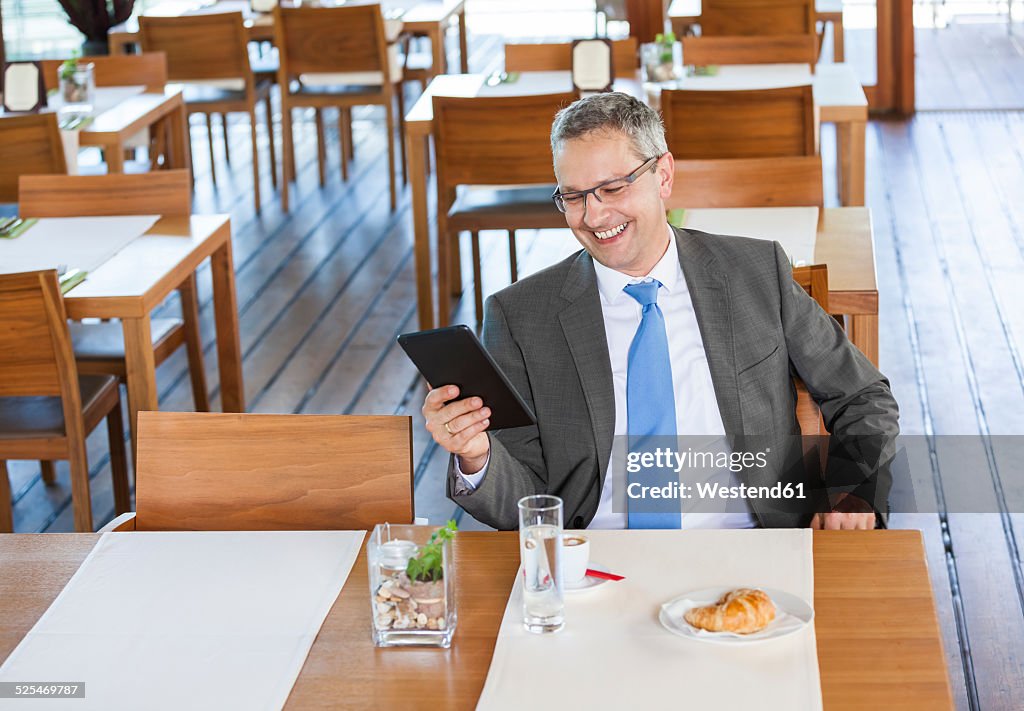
[(140, 276), (684, 14), (875, 619), (429, 18), (131, 113), (837, 94)]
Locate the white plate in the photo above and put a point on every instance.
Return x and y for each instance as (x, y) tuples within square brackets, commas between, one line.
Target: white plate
[(588, 582), (792, 614)]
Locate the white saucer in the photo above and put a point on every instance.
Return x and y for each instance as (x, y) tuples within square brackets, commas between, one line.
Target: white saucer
[(792, 614), (588, 582)]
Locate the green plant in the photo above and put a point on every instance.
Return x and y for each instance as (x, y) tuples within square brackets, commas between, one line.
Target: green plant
[(68, 67), (665, 41), (429, 564)]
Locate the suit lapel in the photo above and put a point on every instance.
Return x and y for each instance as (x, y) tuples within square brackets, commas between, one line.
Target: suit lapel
[(709, 292), (583, 325)]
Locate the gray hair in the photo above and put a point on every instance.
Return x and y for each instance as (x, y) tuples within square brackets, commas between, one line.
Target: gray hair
[(614, 112)]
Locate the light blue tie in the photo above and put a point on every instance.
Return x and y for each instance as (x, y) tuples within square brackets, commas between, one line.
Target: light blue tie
[(650, 408)]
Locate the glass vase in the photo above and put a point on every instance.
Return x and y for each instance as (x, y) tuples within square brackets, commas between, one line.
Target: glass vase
[(77, 90)]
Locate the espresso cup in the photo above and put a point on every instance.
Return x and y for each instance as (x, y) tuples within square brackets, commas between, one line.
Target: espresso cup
[(575, 557)]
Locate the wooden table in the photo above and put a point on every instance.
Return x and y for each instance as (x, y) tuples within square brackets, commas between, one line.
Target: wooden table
[(684, 14), (877, 631), (111, 129), (138, 278), (430, 18)]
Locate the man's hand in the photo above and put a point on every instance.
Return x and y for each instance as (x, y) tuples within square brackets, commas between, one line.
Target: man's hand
[(459, 426), (849, 513)]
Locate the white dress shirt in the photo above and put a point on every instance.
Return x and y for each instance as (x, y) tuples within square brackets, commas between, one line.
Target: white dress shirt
[(697, 411)]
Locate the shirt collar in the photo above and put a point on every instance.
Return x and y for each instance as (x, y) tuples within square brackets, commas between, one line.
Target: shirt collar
[(610, 283)]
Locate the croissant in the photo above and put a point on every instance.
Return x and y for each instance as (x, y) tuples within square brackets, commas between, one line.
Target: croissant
[(742, 611)]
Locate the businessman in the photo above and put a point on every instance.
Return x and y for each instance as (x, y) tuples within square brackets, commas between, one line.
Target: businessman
[(654, 330)]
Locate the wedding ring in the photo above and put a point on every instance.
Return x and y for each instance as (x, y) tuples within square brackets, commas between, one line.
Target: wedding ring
[(448, 429)]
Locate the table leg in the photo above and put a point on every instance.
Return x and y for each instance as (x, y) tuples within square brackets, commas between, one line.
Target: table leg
[(114, 156), (179, 150), (440, 61), (463, 42), (225, 313), (140, 371), (416, 152), (838, 40), (863, 332), (850, 139)]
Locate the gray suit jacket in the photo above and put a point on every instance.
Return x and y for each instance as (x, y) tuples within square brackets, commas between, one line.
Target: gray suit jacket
[(758, 327)]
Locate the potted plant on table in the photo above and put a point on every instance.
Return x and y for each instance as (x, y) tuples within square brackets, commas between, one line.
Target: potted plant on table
[(659, 58), (411, 585), (77, 85)]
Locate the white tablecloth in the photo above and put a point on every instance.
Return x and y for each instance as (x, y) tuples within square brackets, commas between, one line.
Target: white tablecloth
[(212, 620), (614, 654), (74, 242), (795, 228)]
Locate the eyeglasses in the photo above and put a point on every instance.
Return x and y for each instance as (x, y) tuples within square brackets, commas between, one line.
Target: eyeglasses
[(607, 192)]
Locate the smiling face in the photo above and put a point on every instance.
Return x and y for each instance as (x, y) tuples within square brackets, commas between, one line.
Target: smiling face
[(628, 233)]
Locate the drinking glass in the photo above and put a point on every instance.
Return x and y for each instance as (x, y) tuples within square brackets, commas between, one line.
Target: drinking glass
[(540, 548)]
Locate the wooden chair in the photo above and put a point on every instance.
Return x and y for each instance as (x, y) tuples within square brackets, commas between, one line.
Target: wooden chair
[(210, 55), (491, 141), (730, 18), (775, 49), (793, 181), (99, 347), (762, 123), (148, 70), (558, 57), (228, 472), (336, 57), (813, 280), (30, 145), (46, 408)]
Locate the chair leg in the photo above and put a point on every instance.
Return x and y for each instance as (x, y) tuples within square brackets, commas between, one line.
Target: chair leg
[(344, 136), (401, 132), (49, 472), (227, 149), (255, 158), (348, 130), (270, 136), (321, 152), (193, 344), (287, 148), (209, 135), (455, 262), (478, 286), (6, 502), (81, 503), (512, 261), (390, 128), (118, 460)]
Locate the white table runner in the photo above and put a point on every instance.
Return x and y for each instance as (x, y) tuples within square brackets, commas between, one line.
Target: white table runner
[(75, 242), (212, 620), (795, 228), (613, 652)]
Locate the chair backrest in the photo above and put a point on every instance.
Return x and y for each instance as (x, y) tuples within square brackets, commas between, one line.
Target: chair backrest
[(330, 40), (30, 145), (814, 280), (235, 472), (495, 140), (558, 57), (757, 17), (761, 123), (161, 192), (775, 49), (35, 347), (794, 181), (148, 70), (199, 47)]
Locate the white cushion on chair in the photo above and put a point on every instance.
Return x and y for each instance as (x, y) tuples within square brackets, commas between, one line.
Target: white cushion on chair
[(357, 78)]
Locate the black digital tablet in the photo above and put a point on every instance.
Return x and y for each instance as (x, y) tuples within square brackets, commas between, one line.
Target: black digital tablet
[(455, 356)]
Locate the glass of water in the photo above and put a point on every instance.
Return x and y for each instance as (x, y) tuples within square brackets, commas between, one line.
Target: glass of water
[(540, 547)]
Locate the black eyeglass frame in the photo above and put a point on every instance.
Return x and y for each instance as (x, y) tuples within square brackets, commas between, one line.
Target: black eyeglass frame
[(559, 198)]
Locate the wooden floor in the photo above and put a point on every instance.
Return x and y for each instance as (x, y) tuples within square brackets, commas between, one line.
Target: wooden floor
[(323, 292)]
